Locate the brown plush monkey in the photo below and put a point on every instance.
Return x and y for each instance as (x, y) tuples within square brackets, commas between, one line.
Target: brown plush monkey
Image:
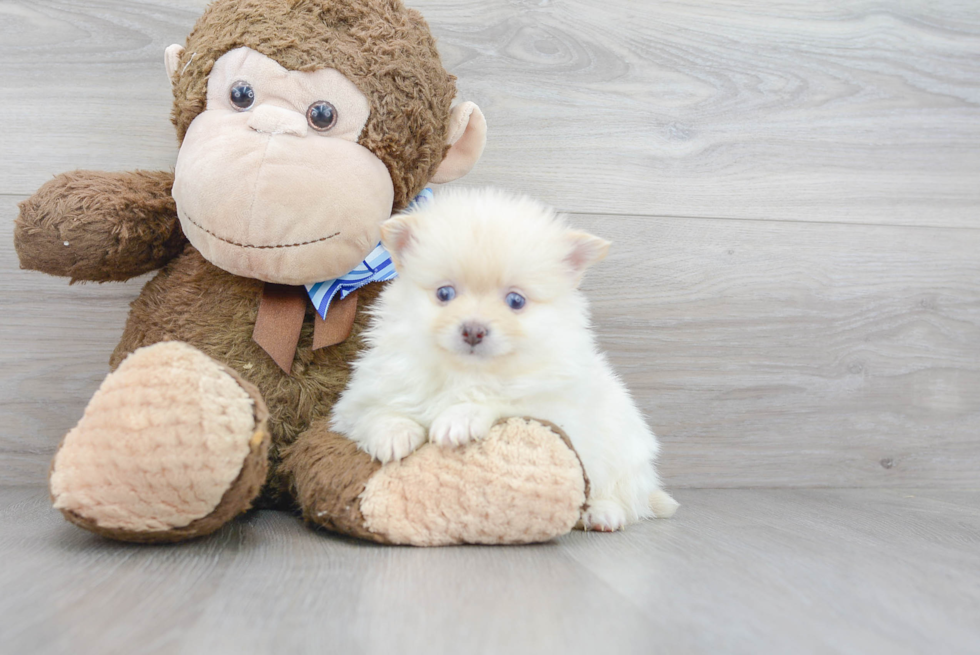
[(303, 125)]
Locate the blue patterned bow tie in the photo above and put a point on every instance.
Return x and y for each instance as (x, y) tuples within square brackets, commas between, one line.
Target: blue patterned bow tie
[(376, 267)]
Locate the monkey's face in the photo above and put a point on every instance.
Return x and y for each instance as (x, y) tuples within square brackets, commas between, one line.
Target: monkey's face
[(271, 182)]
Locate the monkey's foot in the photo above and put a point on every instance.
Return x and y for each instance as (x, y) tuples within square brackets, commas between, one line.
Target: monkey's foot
[(171, 446), (523, 483)]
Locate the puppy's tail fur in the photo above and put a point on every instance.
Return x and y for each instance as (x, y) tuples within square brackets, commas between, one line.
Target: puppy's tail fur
[(662, 504)]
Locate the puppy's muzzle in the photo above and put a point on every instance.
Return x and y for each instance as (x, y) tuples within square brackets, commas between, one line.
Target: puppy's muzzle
[(473, 333)]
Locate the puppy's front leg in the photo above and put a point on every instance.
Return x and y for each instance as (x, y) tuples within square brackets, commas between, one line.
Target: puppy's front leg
[(462, 423), (388, 437)]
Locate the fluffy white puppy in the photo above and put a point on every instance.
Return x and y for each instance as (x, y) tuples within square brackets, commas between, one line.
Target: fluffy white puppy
[(486, 321)]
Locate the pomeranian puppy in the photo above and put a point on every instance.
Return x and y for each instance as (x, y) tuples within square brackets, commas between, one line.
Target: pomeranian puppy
[(486, 321)]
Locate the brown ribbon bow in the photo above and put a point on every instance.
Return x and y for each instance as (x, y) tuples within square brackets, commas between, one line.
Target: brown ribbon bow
[(282, 309)]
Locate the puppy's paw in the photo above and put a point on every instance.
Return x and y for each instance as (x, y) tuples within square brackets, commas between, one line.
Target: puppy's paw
[(461, 424), (604, 516), (392, 439)]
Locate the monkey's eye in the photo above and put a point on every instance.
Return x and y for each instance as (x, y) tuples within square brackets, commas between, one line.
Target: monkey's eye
[(321, 115), (445, 294), (515, 300), (242, 95)]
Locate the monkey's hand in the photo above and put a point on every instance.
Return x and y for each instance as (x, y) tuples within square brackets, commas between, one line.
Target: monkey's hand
[(89, 225)]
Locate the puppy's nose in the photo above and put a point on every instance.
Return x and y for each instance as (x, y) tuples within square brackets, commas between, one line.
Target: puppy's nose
[(474, 333), (269, 119)]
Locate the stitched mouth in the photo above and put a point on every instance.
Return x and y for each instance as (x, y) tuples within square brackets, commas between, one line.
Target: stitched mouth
[(249, 245)]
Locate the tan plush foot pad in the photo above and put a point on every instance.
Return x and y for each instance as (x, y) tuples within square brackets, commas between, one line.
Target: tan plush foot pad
[(171, 446), (522, 484)]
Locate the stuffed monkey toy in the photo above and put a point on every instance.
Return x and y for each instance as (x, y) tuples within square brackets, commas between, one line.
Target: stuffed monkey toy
[(303, 125)]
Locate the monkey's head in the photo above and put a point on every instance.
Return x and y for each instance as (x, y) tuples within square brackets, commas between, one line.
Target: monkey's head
[(303, 124)]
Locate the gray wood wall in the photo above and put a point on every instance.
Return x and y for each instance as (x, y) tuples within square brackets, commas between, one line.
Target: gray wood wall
[(792, 188)]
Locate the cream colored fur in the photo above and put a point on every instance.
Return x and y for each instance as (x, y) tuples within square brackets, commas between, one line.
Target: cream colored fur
[(468, 138), (263, 195), (422, 380), (520, 466), (161, 441), (314, 202)]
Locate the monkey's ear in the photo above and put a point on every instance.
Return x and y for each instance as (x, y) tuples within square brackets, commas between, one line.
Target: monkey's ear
[(171, 57), (397, 237), (467, 137)]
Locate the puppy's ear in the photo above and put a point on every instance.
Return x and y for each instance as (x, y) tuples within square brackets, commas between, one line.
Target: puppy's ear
[(397, 237), (584, 250)]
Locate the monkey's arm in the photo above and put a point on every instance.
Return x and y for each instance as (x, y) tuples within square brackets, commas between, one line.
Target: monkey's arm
[(90, 225)]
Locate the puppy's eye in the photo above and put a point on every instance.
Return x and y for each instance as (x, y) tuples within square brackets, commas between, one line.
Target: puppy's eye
[(515, 300), (445, 294), (242, 95), (321, 116)]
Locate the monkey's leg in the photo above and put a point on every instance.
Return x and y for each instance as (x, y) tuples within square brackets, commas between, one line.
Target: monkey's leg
[(521, 484), (171, 446)]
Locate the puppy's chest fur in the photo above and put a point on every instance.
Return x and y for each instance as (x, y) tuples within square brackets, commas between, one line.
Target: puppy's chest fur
[(544, 389)]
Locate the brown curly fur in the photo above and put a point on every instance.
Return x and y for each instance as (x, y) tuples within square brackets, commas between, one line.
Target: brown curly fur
[(385, 49), (96, 226), (328, 473), (120, 225), (193, 301)]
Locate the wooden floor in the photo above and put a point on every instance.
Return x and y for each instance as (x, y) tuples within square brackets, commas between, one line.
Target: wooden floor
[(793, 294), (739, 571)]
